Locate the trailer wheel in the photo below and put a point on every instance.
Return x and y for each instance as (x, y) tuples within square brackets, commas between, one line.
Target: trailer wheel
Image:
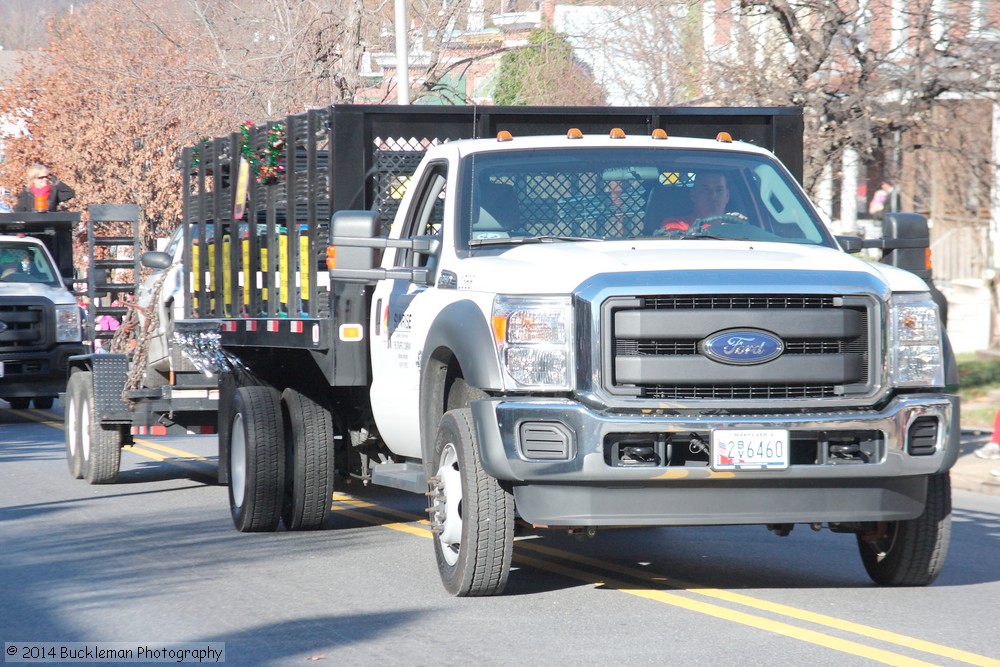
[(99, 445), (911, 552), (74, 425), (19, 403), (44, 403), (256, 460), (309, 465), (472, 516)]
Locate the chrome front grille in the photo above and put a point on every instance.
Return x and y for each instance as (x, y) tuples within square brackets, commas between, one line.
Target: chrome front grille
[(23, 326), (656, 345)]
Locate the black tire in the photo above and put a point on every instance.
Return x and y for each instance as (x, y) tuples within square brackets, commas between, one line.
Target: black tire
[(912, 552), (256, 460), (74, 425), (19, 403), (45, 402), (472, 516), (309, 465), (100, 445)]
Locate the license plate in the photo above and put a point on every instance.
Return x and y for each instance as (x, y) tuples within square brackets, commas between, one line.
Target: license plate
[(1, 369), (763, 449)]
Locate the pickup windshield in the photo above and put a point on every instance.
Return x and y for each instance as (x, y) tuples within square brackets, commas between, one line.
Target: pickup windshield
[(606, 194), (25, 263)]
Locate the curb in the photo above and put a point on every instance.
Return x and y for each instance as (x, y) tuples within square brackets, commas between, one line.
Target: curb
[(967, 482), (971, 473)]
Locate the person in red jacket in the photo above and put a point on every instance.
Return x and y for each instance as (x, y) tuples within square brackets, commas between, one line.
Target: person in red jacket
[(43, 191)]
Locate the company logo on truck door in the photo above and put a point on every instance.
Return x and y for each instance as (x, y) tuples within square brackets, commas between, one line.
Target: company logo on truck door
[(742, 346)]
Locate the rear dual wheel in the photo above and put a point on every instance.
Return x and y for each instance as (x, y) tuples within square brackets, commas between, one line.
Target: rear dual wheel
[(74, 425), (309, 461), (93, 449), (256, 459), (281, 467)]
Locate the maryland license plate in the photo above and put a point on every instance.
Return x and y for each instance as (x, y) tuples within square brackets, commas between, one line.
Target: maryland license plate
[(763, 449)]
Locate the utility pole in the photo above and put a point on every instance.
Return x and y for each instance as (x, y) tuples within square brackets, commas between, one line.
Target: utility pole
[(402, 58)]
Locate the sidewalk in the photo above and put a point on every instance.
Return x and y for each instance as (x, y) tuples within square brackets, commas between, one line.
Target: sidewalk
[(970, 472)]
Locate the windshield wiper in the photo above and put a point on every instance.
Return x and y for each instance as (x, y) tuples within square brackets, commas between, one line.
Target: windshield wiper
[(702, 235), (521, 240)]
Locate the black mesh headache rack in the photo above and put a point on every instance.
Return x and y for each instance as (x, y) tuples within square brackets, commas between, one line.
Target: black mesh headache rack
[(360, 157)]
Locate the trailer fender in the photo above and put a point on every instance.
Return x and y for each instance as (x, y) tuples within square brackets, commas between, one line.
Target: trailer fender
[(110, 373)]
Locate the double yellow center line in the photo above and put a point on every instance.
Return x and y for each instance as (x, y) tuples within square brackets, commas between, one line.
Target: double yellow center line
[(685, 595)]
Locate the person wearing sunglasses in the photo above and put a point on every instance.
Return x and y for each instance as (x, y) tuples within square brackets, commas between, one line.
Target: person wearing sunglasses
[(43, 191)]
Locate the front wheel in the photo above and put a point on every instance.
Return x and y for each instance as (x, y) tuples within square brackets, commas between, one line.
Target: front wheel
[(256, 459), (911, 552), (472, 515)]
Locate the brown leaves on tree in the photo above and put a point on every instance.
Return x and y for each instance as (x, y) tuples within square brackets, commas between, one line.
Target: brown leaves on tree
[(122, 87)]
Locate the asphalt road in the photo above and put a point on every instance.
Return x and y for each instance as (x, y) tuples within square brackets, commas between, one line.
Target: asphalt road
[(155, 559)]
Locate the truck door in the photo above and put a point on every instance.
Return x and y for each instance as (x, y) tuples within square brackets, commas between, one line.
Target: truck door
[(403, 312)]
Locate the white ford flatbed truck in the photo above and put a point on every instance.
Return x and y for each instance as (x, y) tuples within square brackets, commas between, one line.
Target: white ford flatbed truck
[(550, 333)]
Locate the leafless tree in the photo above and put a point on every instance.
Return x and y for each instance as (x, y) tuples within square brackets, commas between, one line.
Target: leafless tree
[(23, 22)]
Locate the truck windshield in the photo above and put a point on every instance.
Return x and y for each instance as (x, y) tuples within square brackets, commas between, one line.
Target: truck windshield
[(606, 194), (25, 263)]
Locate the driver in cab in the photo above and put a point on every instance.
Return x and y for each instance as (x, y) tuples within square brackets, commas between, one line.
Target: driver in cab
[(709, 198), (24, 267)]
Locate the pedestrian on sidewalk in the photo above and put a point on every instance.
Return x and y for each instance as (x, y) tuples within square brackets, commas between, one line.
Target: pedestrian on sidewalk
[(991, 450)]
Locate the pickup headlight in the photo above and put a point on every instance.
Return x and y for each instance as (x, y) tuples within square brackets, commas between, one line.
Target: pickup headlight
[(533, 339), (68, 328), (915, 358)]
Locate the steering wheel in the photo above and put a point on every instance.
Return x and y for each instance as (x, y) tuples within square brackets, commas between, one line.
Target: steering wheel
[(729, 218)]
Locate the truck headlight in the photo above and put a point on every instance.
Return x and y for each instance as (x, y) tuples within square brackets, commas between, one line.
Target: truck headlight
[(68, 324), (915, 358), (533, 339)]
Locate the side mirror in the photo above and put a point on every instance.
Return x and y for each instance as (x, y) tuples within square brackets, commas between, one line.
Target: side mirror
[(154, 259), (354, 225), (906, 243)]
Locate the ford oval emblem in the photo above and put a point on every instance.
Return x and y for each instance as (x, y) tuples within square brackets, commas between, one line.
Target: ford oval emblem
[(742, 346)]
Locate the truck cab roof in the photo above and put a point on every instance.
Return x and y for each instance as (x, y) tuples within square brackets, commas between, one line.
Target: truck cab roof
[(571, 139)]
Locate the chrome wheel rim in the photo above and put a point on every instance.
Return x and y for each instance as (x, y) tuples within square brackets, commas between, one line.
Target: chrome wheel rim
[(238, 462), (448, 504)]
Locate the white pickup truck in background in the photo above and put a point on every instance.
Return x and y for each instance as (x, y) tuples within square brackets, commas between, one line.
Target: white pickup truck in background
[(40, 320)]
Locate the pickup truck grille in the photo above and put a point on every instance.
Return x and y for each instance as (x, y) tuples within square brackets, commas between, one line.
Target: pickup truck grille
[(24, 326), (658, 346)]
